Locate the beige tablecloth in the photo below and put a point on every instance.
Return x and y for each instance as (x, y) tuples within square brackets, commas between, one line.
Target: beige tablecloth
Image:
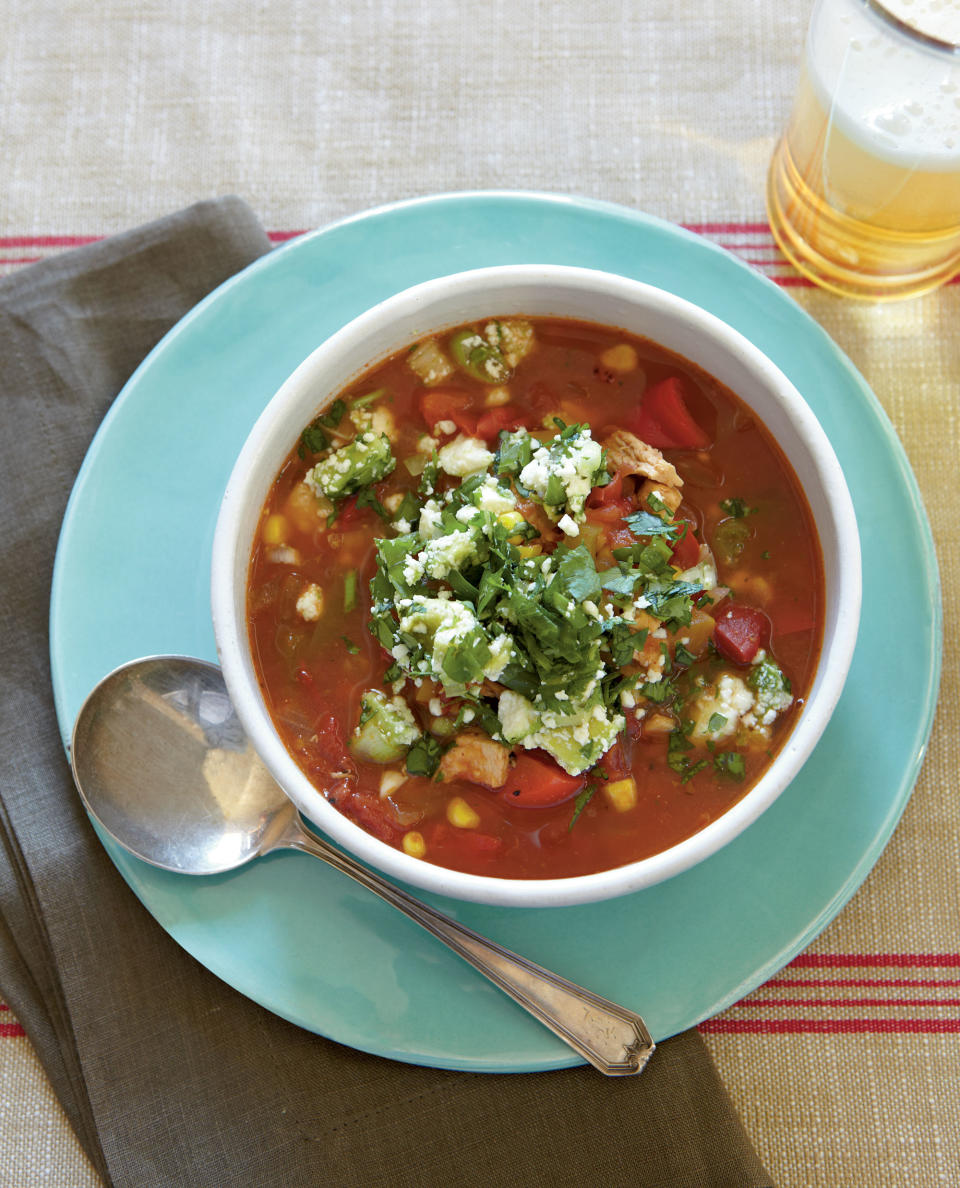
[(845, 1066)]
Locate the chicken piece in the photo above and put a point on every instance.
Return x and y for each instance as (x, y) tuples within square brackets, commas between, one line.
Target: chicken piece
[(625, 451), (476, 757), (670, 497)]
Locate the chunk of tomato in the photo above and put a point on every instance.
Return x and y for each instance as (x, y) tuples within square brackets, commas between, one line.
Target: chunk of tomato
[(490, 423), (663, 419), (538, 781), (449, 404), (740, 632)]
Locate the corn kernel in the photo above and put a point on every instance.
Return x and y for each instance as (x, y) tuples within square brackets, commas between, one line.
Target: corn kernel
[(460, 814), (390, 781), (622, 794), (510, 519), (413, 844), (275, 529), (530, 550), (622, 357)]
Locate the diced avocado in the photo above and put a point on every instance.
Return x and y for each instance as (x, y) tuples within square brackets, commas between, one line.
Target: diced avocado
[(386, 731), (365, 460), (576, 738), (479, 358), (518, 718)]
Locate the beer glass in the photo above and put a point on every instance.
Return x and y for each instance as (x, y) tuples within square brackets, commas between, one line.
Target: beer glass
[(863, 193)]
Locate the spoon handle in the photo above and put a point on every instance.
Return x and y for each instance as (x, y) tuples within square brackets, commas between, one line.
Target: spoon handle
[(613, 1039)]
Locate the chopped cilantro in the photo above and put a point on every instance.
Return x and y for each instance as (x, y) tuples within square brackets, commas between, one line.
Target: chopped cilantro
[(678, 759), (350, 645), (313, 440), (683, 655), (642, 523), (334, 414), (424, 756), (659, 692), (366, 498), (580, 803), (730, 763)]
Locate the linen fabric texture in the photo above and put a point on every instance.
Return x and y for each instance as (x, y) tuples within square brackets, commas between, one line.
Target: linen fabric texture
[(167, 1075)]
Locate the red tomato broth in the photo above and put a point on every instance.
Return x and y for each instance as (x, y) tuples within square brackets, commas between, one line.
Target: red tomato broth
[(312, 675)]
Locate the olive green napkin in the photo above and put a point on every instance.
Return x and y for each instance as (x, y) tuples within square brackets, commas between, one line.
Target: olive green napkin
[(168, 1076)]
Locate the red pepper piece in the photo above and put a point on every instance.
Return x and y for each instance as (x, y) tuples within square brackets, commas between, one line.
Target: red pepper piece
[(537, 781), (740, 632), (686, 551), (615, 763), (612, 493), (663, 419)]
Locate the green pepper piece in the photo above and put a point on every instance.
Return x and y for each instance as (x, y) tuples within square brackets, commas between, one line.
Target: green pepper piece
[(730, 539)]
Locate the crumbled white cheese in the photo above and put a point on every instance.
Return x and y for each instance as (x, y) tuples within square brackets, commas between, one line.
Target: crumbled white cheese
[(464, 456), (430, 516), (727, 698), (491, 497), (310, 603)]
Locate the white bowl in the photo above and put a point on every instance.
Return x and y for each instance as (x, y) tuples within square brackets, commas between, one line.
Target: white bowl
[(537, 290)]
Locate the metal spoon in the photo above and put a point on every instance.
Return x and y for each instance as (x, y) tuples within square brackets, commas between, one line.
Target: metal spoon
[(161, 761)]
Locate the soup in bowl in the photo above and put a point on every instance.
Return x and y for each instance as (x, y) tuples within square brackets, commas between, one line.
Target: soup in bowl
[(535, 585)]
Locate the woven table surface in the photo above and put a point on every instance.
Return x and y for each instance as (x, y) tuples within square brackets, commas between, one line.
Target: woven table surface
[(844, 1066)]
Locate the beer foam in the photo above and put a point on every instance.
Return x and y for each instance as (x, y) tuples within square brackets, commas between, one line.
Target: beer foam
[(897, 101)]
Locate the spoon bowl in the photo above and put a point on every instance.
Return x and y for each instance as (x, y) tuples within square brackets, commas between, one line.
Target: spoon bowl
[(162, 763)]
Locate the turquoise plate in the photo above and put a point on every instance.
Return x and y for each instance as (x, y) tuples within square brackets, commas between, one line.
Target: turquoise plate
[(132, 579)]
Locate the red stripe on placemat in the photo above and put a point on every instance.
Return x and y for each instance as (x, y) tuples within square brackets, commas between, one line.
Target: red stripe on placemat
[(849, 1002), (726, 228), (56, 241), (861, 983), (724, 1026), (896, 1014), (767, 265), (874, 960), (8, 1030)]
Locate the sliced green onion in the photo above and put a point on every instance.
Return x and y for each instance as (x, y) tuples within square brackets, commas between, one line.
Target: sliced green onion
[(349, 590), (368, 398)]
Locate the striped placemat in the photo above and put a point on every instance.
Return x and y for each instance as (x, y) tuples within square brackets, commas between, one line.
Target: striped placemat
[(752, 242)]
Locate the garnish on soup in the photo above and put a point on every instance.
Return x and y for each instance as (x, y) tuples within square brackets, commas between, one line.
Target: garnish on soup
[(535, 599)]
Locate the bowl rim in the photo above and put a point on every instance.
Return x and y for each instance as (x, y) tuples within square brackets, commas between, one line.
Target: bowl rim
[(375, 330)]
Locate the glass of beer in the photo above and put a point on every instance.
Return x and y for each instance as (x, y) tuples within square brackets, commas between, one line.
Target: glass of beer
[(863, 193)]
